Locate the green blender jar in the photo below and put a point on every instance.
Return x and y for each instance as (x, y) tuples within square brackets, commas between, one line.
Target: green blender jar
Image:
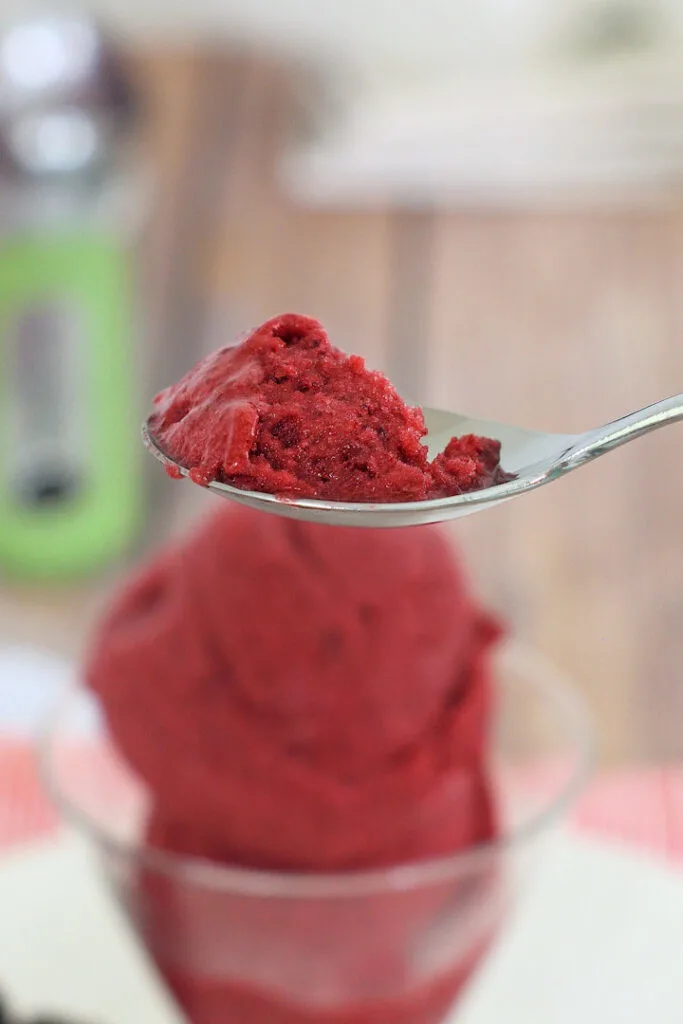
[(70, 495)]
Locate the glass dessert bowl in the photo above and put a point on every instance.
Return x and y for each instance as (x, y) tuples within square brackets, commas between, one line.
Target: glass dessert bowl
[(380, 946)]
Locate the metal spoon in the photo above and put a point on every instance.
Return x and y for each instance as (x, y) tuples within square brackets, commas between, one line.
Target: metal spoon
[(535, 457)]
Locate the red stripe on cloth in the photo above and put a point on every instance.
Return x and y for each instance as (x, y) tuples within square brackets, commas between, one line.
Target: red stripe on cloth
[(25, 813), (672, 792), (639, 808)]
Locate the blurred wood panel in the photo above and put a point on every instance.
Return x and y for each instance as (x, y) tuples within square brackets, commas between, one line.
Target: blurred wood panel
[(557, 320), (566, 321)]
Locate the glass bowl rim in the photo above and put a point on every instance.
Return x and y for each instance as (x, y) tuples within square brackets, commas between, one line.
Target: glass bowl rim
[(205, 874)]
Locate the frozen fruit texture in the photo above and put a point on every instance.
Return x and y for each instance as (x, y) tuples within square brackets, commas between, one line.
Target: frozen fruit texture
[(287, 413), (303, 698), (300, 696)]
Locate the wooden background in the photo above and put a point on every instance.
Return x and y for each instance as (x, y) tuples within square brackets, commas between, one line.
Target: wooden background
[(557, 320)]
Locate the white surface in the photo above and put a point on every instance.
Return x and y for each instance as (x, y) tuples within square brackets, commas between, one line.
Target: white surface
[(31, 680), (613, 135), (599, 942), (64, 947), (412, 29), (426, 33)]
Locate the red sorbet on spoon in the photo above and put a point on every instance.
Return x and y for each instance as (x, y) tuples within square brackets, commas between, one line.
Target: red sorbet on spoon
[(287, 413)]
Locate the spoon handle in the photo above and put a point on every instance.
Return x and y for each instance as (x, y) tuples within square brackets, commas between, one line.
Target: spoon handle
[(603, 439)]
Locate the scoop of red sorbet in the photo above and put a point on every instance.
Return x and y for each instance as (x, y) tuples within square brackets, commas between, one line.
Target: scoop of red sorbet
[(287, 413), (301, 696)]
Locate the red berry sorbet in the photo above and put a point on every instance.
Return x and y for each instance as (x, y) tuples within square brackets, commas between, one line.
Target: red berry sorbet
[(287, 413), (304, 699)]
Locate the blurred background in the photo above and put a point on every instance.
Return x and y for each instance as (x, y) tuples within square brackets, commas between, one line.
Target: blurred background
[(486, 201)]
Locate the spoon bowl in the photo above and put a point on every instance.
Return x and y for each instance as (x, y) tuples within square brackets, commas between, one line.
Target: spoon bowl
[(535, 458)]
